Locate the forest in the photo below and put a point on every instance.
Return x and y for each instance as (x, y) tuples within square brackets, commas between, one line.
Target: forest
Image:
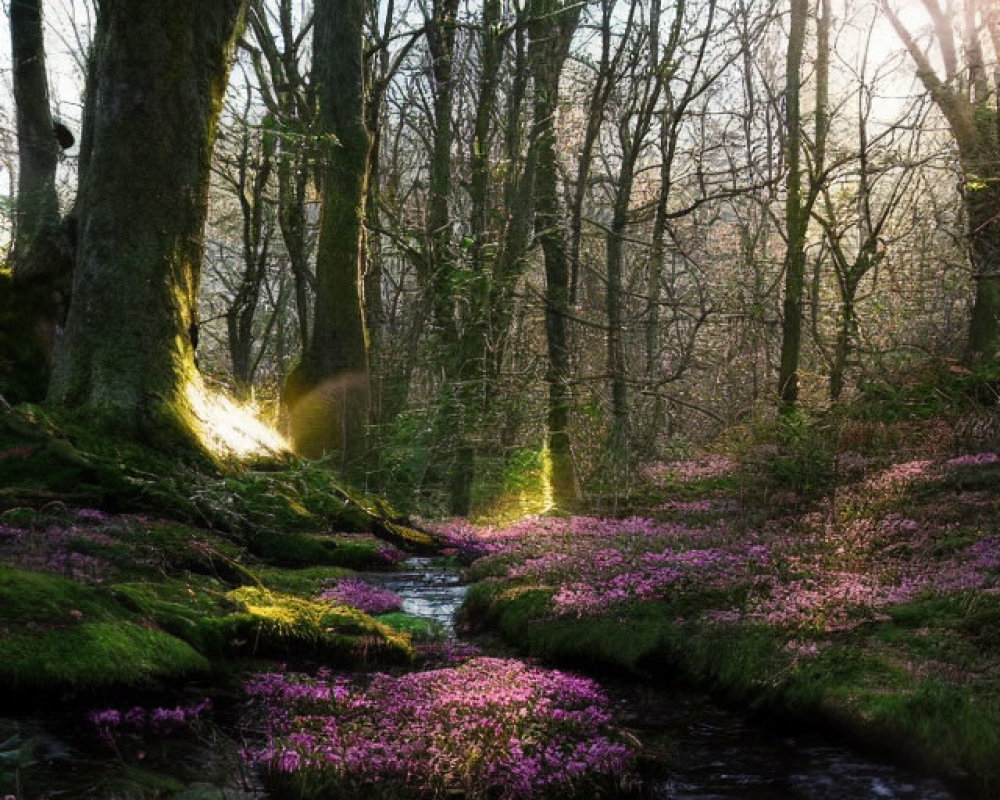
[(500, 399)]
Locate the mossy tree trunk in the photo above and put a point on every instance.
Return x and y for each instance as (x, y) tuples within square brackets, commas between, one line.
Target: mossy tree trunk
[(157, 77), (982, 207), (41, 256), (328, 393), (551, 30)]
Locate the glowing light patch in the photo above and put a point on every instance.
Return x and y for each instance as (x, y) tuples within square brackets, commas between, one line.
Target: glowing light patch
[(230, 429), (546, 499)]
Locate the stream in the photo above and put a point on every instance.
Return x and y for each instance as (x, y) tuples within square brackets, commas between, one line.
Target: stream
[(709, 752), (704, 751)]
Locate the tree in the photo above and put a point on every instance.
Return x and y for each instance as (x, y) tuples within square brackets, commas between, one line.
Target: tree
[(156, 79), (276, 52), (42, 250), (879, 164), (963, 94), (328, 392), (441, 278), (796, 211), (552, 24), (245, 170)]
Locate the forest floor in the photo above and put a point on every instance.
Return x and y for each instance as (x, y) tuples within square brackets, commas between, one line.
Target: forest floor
[(147, 603), (872, 608)]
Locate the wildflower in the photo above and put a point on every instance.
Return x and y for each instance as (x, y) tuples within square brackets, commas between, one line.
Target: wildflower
[(364, 596)]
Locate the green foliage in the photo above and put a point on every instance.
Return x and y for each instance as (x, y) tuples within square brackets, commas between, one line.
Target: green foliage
[(407, 464), (790, 456), (419, 629), (509, 487)]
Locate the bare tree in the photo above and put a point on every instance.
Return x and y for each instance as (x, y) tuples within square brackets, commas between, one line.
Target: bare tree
[(961, 88)]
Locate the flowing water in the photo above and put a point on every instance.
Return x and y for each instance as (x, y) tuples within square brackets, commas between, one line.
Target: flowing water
[(708, 752)]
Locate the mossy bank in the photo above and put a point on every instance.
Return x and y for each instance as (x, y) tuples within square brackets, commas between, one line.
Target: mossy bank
[(870, 608)]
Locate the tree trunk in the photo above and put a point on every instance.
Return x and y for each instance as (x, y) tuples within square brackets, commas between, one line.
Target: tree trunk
[(963, 95), (457, 412), (842, 348), (42, 255), (518, 199), (36, 213), (328, 394), (158, 74), (618, 437), (982, 206), (552, 30), (796, 216)]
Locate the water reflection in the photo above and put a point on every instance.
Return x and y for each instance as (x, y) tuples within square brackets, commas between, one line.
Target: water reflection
[(711, 753)]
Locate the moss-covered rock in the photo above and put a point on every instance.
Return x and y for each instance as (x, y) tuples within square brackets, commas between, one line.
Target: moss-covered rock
[(282, 623)]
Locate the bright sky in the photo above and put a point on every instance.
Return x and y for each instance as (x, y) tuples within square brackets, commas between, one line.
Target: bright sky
[(66, 32), (68, 24)]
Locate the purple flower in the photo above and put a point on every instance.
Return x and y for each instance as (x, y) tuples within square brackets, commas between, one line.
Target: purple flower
[(973, 460), (92, 515), (107, 718), (490, 727), (364, 596)]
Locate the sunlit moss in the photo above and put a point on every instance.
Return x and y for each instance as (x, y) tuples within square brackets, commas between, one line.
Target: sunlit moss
[(338, 632), (94, 654)]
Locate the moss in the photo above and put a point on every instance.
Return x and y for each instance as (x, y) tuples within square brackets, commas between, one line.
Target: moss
[(293, 549), (419, 629), (282, 623), (92, 655), (49, 454), (306, 581), (55, 633), (199, 615), (34, 597)]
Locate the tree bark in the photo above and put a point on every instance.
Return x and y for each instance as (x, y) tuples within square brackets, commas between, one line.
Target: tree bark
[(796, 215), (973, 116), (42, 252), (36, 213), (552, 29), (158, 74), (328, 393)]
